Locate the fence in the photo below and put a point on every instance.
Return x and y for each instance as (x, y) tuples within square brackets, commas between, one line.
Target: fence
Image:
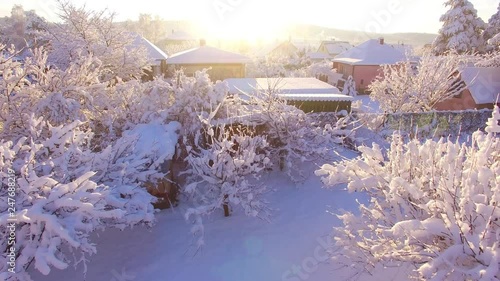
[(428, 124)]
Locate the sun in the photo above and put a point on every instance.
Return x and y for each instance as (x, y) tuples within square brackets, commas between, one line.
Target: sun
[(244, 23)]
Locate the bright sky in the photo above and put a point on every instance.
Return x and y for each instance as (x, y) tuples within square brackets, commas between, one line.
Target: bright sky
[(263, 18)]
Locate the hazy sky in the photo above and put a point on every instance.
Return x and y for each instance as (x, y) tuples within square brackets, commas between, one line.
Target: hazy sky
[(260, 17)]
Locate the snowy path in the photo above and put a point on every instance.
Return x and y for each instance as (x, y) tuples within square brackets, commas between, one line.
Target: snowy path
[(238, 248)]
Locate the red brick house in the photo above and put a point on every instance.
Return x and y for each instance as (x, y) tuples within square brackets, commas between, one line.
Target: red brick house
[(483, 90), (363, 61)]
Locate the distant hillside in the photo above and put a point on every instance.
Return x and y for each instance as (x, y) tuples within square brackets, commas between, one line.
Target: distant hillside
[(300, 32), (354, 37)]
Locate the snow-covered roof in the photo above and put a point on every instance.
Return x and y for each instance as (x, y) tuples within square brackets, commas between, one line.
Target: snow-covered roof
[(154, 53), (318, 56), (305, 89), (293, 46), (206, 55), (483, 83), (305, 44), (336, 47), (269, 48), (371, 52), (180, 36)]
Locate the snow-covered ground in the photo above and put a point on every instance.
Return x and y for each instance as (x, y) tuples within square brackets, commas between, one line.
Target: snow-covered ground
[(238, 248), (367, 104)]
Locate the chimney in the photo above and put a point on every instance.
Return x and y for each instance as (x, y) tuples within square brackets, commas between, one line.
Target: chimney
[(381, 40), (203, 42)]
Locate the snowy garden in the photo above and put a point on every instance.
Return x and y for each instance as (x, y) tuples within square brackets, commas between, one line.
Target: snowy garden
[(106, 176)]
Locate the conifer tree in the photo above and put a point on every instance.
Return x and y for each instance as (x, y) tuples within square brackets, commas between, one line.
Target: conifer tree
[(462, 29)]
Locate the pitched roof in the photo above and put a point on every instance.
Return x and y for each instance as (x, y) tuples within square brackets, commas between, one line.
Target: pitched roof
[(336, 47), (154, 53), (483, 83), (318, 56), (305, 89), (206, 55), (371, 52)]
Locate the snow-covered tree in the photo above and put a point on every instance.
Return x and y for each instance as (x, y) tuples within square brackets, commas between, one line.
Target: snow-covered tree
[(433, 205), (63, 193), (492, 32), (350, 87), (408, 88), (223, 171), (22, 28), (151, 27), (84, 32), (462, 29)]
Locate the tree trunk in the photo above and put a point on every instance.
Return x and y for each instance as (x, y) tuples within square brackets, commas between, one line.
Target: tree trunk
[(225, 206)]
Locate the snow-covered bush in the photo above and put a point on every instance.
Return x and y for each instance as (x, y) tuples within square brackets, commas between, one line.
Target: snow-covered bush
[(222, 169), (293, 135), (64, 192), (225, 169), (491, 59), (433, 205), (32, 87), (408, 88), (350, 87), (193, 99)]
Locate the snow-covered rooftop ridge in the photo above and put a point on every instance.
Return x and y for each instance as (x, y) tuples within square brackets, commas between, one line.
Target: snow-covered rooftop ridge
[(336, 47), (154, 53), (371, 52), (318, 56), (290, 88), (316, 97), (483, 83), (206, 54)]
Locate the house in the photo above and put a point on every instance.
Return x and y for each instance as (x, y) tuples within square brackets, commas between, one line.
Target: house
[(333, 48), (363, 61), (483, 90), (285, 49), (221, 64), (308, 94), (318, 56), (155, 55)]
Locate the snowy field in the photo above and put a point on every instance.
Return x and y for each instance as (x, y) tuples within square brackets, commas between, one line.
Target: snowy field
[(239, 248)]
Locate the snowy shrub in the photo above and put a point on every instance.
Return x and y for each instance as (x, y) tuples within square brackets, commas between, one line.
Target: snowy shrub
[(225, 173), (350, 87), (60, 199), (293, 135), (60, 96), (195, 98), (491, 59), (406, 88), (433, 205)]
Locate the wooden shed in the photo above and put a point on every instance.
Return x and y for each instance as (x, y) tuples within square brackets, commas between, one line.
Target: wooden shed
[(308, 94)]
